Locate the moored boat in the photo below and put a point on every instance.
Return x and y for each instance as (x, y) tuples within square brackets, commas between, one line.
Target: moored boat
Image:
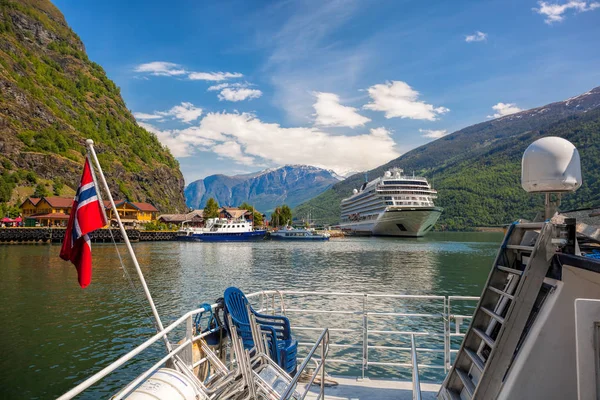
[(392, 205), (222, 230), (290, 233)]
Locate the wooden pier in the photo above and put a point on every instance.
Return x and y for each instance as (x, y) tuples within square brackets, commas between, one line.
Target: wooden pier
[(56, 235)]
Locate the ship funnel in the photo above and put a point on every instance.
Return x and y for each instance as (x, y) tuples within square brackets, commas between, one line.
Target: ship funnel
[(551, 165)]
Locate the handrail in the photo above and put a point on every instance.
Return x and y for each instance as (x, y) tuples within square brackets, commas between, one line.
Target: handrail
[(118, 363), (416, 383), (268, 299), (324, 342), (366, 313)]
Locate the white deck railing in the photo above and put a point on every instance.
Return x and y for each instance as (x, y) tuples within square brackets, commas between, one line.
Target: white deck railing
[(278, 302), (274, 301)]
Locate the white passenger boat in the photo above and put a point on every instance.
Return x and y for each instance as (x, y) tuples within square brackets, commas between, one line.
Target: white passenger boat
[(392, 205), (533, 333), (290, 233), (222, 230)]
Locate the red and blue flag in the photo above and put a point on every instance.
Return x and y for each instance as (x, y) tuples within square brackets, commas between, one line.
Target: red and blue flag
[(86, 216)]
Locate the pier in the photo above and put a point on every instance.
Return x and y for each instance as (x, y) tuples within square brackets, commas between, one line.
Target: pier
[(56, 235)]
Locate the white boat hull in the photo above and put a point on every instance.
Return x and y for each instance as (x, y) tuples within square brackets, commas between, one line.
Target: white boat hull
[(403, 222)]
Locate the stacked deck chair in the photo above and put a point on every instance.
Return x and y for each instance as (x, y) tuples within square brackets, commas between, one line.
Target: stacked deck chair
[(282, 347)]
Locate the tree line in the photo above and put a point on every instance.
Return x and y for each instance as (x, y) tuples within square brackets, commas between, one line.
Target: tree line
[(281, 216)]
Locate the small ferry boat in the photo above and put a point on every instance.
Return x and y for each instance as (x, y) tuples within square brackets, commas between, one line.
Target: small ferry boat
[(290, 233), (222, 230), (391, 205), (532, 334)]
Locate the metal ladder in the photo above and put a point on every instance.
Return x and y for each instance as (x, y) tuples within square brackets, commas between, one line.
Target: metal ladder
[(502, 313)]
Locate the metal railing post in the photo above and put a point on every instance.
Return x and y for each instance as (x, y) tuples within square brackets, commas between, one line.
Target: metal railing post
[(326, 339), (188, 353), (449, 354), (365, 335), (416, 383), (446, 317)]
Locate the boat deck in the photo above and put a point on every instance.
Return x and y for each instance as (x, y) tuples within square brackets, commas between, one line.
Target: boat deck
[(381, 389)]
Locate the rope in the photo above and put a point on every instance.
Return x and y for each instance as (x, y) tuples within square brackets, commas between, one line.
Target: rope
[(134, 289)]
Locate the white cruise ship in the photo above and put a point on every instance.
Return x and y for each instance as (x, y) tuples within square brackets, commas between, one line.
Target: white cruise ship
[(392, 205)]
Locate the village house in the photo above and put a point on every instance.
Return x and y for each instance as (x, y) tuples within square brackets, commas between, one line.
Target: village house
[(194, 218), (55, 211), (46, 211), (235, 213), (132, 213)]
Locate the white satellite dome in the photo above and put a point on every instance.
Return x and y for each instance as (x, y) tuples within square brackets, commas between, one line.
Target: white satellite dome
[(355, 191), (551, 164), (387, 174)]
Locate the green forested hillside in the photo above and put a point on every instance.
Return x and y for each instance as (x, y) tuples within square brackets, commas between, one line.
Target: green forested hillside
[(478, 180), (52, 97)]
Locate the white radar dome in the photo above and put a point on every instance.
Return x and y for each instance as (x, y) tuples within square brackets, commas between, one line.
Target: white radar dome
[(551, 164), (355, 191), (387, 174)]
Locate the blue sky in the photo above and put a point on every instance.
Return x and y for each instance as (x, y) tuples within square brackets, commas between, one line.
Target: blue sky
[(238, 86)]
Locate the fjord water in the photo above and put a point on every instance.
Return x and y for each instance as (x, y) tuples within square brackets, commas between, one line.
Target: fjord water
[(55, 334)]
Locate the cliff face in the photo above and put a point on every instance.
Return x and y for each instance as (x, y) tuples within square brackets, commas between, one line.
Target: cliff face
[(52, 98)]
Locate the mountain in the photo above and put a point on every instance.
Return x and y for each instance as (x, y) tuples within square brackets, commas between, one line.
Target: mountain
[(52, 97), (477, 169), (291, 184)]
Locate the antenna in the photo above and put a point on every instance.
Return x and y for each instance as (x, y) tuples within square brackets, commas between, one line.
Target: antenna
[(551, 165), (366, 176)]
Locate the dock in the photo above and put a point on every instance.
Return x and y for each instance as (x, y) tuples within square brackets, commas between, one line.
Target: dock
[(56, 235)]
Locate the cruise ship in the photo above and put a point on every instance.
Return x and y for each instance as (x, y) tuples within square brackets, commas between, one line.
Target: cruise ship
[(392, 205)]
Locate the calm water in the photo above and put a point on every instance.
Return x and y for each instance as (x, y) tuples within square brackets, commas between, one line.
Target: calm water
[(55, 334)]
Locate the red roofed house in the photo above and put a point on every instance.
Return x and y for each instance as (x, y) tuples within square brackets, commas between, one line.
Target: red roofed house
[(47, 211), (54, 211), (132, 213)]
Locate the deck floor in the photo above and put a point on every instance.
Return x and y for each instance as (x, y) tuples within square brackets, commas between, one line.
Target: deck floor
[(381, 389)]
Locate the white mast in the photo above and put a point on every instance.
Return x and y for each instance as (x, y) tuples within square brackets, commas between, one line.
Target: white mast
[(159, 325)]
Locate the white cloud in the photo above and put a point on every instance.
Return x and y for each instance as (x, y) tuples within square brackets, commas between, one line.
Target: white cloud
[(144, 116), (398, 99), (476, 37), (556, 12), (242, 137), (164, 68), (213, 76), (161, 68), (233, 150), (222, 86), (329, 112), (178, 147), (233, 94), (433, 134), (185, 112), (184, 142), (503, 109)]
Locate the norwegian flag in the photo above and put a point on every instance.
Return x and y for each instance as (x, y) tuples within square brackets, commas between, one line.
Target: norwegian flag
[(86, 216)]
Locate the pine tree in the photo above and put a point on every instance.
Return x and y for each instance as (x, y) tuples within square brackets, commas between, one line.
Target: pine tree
[(211, 210), (286, 215)]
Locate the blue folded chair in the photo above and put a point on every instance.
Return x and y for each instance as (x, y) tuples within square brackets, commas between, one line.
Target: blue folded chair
[(282, 346)]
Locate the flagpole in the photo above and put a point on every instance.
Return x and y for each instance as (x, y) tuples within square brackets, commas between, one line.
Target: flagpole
[(159, 325)]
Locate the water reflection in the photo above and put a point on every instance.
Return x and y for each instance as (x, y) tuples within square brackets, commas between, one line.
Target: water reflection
[(56, 334)]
